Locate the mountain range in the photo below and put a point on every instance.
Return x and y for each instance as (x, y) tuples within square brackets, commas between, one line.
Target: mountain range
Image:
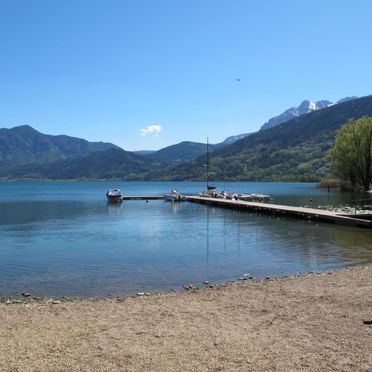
[(114, 163), (294, 149), (305, 107), (25, 145)]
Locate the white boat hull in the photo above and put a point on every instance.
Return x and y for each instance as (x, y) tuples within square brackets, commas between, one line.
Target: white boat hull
[(114, 195)]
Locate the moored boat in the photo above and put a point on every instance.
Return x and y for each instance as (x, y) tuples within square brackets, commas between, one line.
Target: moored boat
[(174, 195), (263, 198), (114, 195), (225, 195), (209, 192)]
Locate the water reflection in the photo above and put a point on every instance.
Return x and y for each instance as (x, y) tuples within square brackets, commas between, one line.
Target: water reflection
[(50, 245), (289, 240), (355, 245), (115, 209), (27, 212)]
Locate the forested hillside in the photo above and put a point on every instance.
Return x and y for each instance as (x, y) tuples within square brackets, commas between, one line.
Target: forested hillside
[(25, 145), (109, 164), (295, 150)]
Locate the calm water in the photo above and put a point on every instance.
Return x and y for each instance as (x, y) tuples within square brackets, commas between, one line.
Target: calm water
[(64, 239)]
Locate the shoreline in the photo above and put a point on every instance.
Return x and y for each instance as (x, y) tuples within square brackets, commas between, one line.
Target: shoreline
[(25, 297), (305, 322)]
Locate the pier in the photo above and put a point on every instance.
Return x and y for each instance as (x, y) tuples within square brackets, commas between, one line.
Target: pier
[(305, 213), (287, 211)]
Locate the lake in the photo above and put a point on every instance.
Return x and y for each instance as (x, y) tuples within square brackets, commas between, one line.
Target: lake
[(64, 239)]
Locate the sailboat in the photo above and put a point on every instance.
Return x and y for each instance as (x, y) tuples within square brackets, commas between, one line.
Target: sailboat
[(210, 191)]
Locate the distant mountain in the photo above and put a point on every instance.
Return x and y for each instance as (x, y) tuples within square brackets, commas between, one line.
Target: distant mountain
[(114, 163), (110, 164), (295, 150), (181, 152), (144, 152), (304, 108), (346, 99), (24, 145), (27, 153), (232, 139)]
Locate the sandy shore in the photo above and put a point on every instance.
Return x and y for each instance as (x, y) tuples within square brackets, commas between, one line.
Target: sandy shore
[(312, 322)]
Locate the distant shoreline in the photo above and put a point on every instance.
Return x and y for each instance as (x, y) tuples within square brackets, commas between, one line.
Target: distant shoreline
[(132, 181)]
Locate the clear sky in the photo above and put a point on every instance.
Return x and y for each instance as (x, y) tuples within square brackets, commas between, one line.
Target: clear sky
[(145, 74)]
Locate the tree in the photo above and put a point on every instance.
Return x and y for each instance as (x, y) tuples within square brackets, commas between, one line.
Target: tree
[(351, 155)]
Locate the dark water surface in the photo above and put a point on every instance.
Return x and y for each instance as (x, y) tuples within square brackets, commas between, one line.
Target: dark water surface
[(64, 239)]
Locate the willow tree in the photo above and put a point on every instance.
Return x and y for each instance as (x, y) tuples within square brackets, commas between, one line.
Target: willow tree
[(351, 155)]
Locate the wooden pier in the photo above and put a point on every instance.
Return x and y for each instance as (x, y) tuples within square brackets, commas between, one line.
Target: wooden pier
[(287, 211), (304, 213)]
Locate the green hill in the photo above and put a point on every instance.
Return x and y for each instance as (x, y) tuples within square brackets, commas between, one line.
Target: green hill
[(295, 150), (109, 164), (24, 145), (181, 152)]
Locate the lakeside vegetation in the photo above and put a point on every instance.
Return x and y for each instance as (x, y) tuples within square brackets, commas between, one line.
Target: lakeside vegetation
[(351, 155)]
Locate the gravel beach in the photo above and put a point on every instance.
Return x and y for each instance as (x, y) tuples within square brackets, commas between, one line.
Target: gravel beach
[(315, 322)]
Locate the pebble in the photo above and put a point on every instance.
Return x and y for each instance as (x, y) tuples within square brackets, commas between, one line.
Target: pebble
[(189, 286), (367, 322), (56, 302), (26, 294), (140, 294), (205, 282)]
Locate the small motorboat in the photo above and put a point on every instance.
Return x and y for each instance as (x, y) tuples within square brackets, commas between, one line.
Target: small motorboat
[(174, 195), (225, 195), (114, 195), (262, 198), (210, 192)]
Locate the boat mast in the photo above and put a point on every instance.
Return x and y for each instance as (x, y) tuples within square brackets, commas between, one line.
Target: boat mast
[(207, 163)]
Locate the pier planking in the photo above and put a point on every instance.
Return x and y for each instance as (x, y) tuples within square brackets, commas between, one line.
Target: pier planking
[(285, 210), (274, 209)]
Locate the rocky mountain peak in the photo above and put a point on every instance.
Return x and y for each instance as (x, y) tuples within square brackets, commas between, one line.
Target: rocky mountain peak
[(303, 108)]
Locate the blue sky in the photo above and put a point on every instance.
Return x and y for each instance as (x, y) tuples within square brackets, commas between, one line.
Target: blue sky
[(105, 70)]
